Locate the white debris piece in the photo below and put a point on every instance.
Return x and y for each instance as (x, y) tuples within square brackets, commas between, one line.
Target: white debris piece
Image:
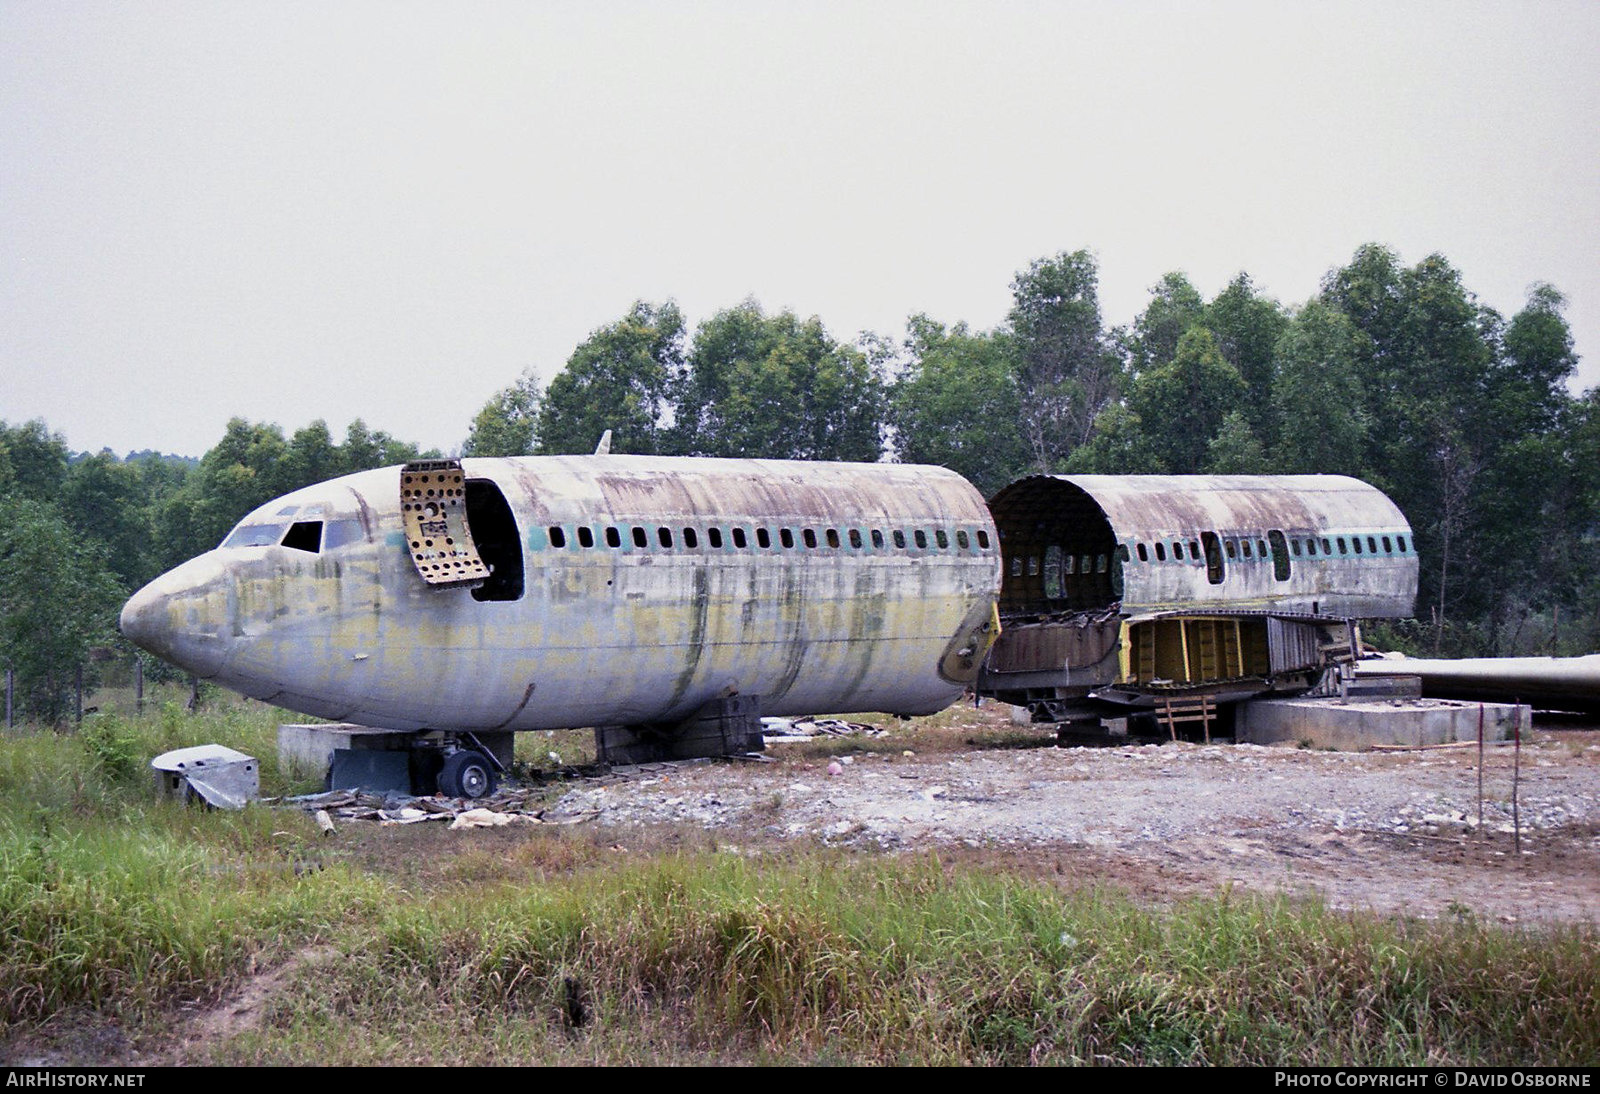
[(220, 776), (481, 818)]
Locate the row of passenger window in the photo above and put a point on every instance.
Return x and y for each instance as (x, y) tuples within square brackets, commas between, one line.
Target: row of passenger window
[(1058, 567), (1308, 547), (1058, 564), (739, 538)]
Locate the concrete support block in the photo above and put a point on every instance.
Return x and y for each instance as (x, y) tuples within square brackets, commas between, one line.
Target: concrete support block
[(1328, 723)]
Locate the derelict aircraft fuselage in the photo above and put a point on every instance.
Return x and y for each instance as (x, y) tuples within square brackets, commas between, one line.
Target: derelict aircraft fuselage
[(570, 591)]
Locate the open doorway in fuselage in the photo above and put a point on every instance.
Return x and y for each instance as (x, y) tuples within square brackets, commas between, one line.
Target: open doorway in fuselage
[(494, 531)]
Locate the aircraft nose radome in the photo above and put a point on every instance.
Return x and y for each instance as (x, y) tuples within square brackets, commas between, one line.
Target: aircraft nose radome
[(140, 622), (162, 618)]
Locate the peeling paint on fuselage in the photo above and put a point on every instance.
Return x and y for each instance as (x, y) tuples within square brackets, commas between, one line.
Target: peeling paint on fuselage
[(601, 634)]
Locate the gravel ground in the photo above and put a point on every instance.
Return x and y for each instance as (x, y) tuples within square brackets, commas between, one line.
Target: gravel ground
[(1391, 832)]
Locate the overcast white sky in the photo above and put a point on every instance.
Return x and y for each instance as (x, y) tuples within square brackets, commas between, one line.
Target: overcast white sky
[(290, 211)]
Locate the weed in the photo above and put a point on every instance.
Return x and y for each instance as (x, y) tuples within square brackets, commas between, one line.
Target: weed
[(112, 744)]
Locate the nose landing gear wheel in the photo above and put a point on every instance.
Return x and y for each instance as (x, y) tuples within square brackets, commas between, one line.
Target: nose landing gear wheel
[(467, 774)]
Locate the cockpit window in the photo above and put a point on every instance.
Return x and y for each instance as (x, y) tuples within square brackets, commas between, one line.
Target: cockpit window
[(314, 536), (254, 535), (339, 533), (304, 535)]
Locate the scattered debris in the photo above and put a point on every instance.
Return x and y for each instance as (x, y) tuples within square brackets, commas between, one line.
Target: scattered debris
[(1393, 830), (573, 817), (510, 805), (409, 815), (519, 803), (777, 730)]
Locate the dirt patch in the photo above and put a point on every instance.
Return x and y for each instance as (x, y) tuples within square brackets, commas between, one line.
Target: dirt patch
[(78, 1038), (243, 1009), (1391, 832)]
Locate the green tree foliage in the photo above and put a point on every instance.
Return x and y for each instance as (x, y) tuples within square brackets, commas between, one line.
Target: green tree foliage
[(33, 461), (1235, 449), (1394, 374), (1574, 532), (1118, 446), (1067, 370), (777, 387), (1175, 306), (311, 456), (1527, 517), (104, 498), (945, 407), (620, 378), (1182, 403), (364, 449), (1248, 327), (241, 472), (1318, 401), (250, 466), (1461, 407), (160, 476), (508, 424), (1530, 385), (57, 600)]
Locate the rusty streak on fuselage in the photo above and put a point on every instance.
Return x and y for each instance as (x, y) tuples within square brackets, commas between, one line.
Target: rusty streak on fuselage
[(772, 578)]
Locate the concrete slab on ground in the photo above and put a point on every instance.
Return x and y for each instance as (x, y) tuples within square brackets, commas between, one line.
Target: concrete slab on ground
[(1350, 726)]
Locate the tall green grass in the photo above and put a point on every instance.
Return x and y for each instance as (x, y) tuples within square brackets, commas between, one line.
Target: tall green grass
[(553, 945), (112, 898), (825, 957)]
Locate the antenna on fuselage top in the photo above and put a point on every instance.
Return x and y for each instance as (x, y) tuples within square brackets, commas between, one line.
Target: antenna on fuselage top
[(604, 447)]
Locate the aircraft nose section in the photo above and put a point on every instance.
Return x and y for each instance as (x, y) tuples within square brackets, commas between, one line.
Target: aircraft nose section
[(182, 617)]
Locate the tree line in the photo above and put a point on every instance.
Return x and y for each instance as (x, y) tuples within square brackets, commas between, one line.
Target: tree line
[(1395, 374)]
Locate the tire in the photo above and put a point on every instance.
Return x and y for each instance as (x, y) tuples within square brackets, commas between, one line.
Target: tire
[(467, 774)]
